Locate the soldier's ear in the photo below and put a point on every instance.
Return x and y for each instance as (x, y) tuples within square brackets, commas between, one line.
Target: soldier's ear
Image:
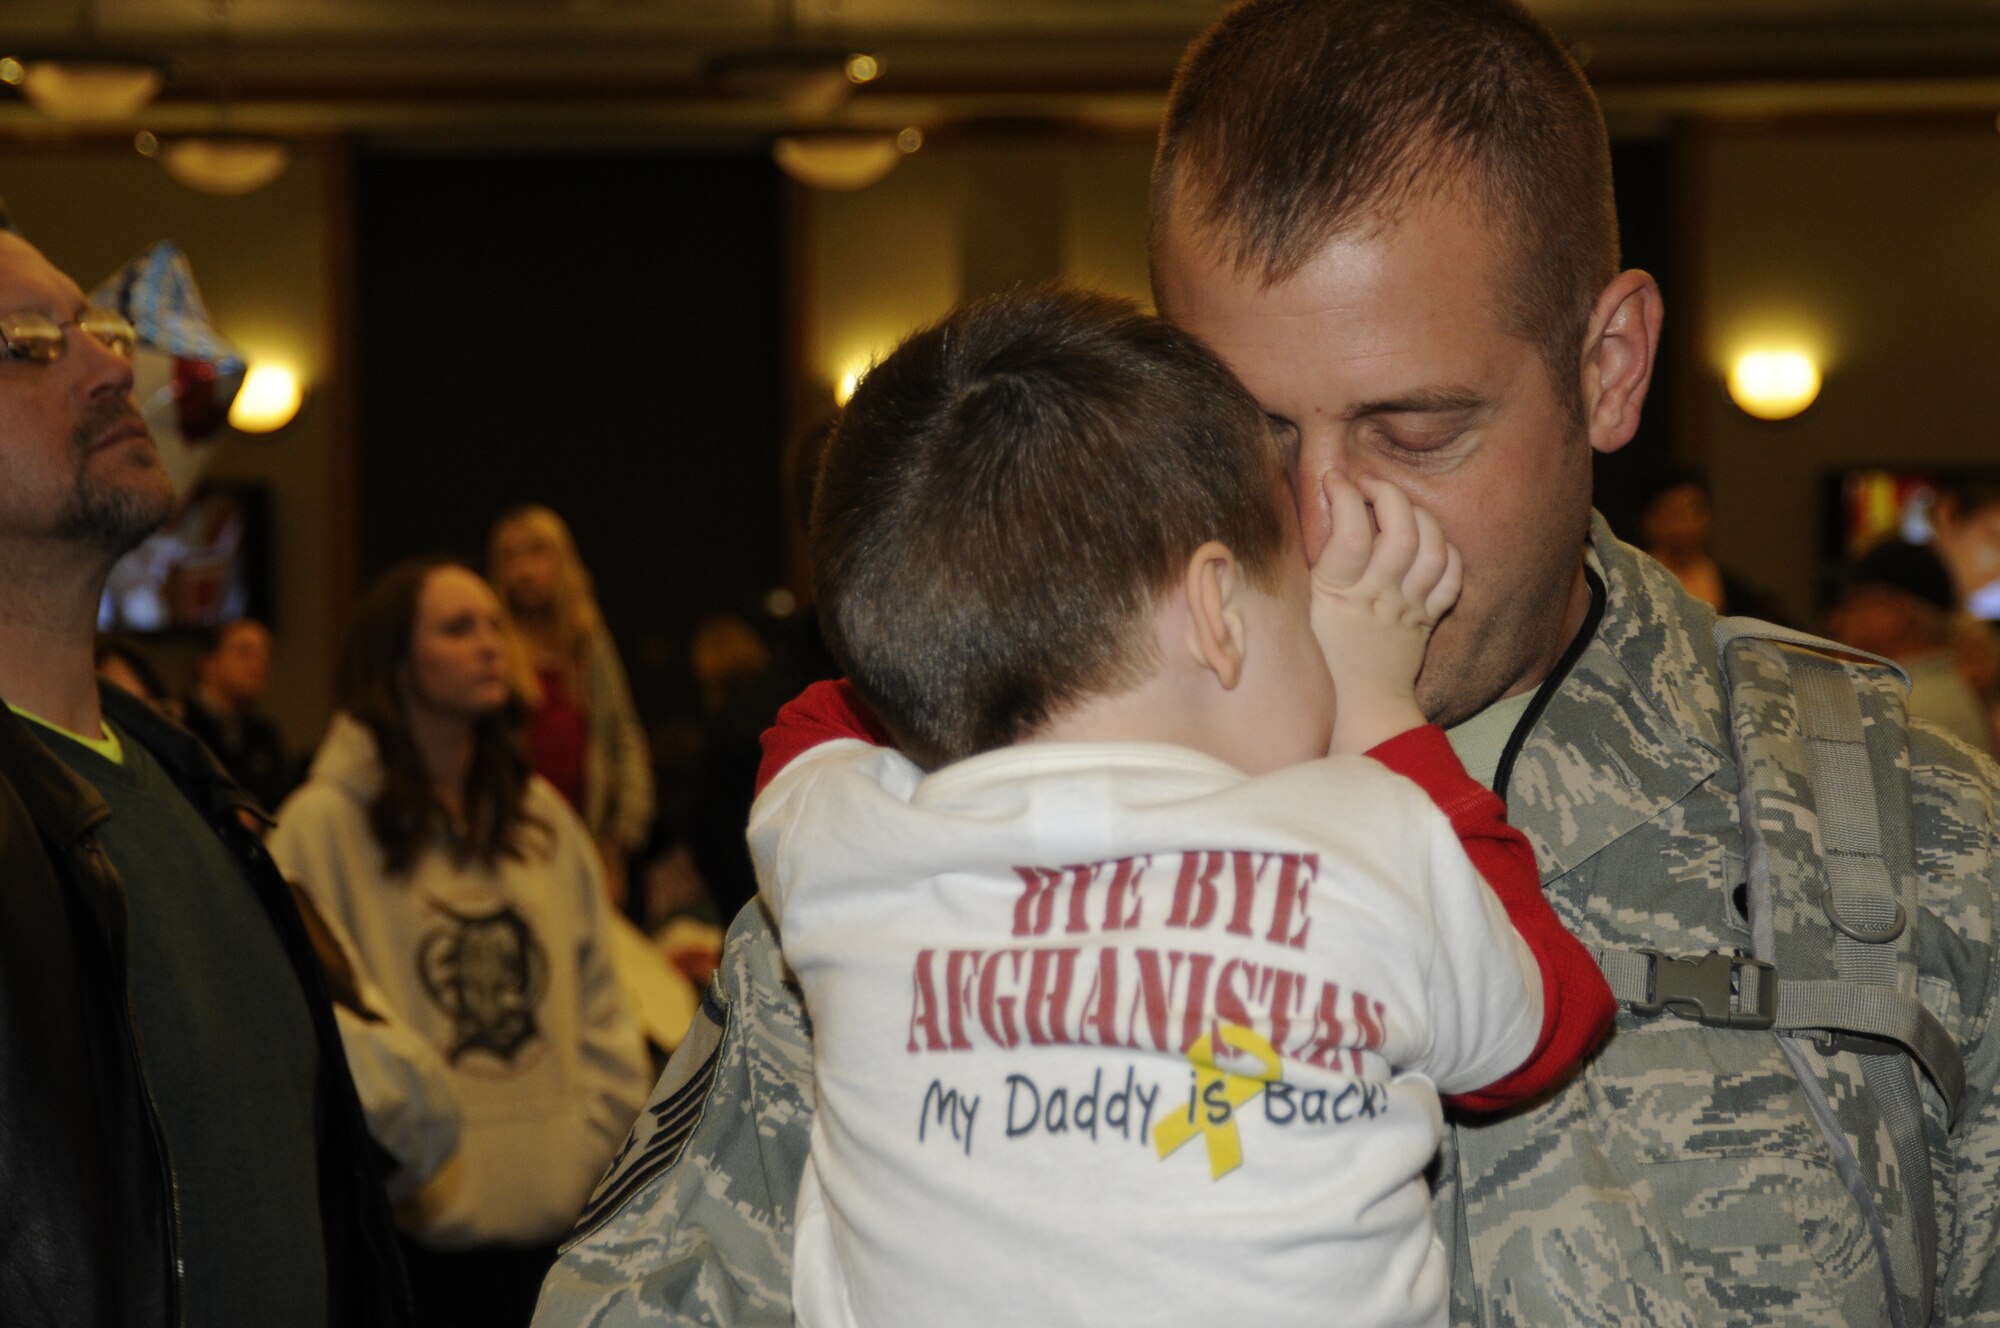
[(1619, 346)]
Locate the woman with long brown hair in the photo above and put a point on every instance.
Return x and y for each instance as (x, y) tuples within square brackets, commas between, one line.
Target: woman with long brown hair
[(584, 734), (474, 899)]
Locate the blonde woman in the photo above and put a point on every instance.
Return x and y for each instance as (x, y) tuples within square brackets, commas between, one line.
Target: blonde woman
[(583, 732)]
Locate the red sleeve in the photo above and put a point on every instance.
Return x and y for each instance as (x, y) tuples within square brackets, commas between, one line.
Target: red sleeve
[(1577, 1006), (821, 713)]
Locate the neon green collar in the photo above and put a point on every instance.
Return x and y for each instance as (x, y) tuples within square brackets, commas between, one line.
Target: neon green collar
[(107, 746)]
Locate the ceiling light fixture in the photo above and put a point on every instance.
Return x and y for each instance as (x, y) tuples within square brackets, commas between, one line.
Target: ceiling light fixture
[(809, 84), (836, 161), (809, 80), (220, 162), (86, 82), (843, 161), (225, 164), (96, 88)]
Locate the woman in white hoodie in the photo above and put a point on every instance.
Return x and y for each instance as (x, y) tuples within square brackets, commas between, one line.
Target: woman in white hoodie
[(475, 902)]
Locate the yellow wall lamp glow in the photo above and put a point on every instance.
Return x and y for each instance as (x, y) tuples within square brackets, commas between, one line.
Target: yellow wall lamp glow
[(267, 401), (1773, 384), (850, 377)]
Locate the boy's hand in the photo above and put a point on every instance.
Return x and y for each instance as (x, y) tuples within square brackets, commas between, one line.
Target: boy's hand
[(1379, 586)]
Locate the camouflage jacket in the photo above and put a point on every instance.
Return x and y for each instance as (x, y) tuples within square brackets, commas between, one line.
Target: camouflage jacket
[(1678, 1180)]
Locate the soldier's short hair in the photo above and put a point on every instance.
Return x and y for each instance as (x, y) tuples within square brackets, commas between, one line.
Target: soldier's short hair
[(1291, 122), (1007, 497)]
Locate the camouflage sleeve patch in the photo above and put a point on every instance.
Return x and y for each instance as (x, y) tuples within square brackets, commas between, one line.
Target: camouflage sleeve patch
[(693, 1225), (663, 1129)]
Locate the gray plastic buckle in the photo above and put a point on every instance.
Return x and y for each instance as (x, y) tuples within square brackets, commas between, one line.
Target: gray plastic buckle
[(1706, 988), (1860, 1044)]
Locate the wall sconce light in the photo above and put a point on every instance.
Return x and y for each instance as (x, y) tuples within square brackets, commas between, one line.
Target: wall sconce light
[(269, 398), (1773, 384), (849, 376)]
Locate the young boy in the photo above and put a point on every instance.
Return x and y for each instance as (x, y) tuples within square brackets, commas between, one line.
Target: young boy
[(1130, 1005)]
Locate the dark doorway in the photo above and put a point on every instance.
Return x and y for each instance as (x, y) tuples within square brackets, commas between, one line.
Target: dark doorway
[(600, 333)]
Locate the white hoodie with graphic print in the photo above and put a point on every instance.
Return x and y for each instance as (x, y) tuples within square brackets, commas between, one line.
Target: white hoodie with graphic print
[(506, 970)]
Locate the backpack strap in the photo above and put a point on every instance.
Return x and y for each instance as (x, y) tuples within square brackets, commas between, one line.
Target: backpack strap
[(1832, 903)]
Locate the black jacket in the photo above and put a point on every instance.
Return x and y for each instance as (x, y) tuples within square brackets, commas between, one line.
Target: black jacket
[(88, 1217)]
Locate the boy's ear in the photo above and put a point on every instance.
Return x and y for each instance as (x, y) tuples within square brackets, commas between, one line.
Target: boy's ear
[(1215, 635)]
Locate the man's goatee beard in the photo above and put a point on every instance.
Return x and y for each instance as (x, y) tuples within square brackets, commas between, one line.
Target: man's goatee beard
[(109, 516)]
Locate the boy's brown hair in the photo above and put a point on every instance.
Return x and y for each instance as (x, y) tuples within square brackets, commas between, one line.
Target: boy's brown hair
[(1006, 499), (1291, 122)]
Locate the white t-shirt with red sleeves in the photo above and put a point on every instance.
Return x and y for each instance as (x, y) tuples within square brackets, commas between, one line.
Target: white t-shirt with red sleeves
[(1114, 1034)]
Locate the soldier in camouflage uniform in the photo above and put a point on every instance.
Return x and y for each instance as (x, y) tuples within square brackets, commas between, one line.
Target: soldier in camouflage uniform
[(1391, 218)]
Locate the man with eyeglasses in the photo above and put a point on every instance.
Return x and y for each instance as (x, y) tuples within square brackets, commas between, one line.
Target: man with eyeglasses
[(179, 1137)]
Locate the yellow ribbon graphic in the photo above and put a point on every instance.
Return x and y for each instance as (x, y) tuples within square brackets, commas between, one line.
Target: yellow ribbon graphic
[(1225, 1143)]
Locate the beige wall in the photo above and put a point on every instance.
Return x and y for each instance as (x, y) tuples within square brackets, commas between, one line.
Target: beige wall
[(1877, 244), (1880, 247), (960, 218), (264, 264)]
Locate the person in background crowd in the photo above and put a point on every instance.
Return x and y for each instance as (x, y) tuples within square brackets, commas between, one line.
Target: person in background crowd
[(125, 666), (180, 1141), (584, 735), (232, 672), (1898, 601), (740, 696), (1977, 644), (1393, 220), (475, 902), (1966, 518), (1675, 524), (726, 652)]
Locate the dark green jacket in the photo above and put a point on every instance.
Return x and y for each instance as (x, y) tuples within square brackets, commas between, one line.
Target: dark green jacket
[(88, 1223)]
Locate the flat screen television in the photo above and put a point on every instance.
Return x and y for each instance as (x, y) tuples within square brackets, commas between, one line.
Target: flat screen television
[(209, 565), (1953, 508)]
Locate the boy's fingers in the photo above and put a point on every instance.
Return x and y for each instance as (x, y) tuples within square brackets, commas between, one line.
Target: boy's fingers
[(1446, 592), (1428, 563), (1396, 537), (1350, 533)]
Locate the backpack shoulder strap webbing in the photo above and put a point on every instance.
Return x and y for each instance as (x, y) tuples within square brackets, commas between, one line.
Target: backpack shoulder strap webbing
[(1832, 903)]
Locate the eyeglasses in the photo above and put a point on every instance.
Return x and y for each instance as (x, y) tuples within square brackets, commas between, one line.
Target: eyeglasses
[(30, 334)]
